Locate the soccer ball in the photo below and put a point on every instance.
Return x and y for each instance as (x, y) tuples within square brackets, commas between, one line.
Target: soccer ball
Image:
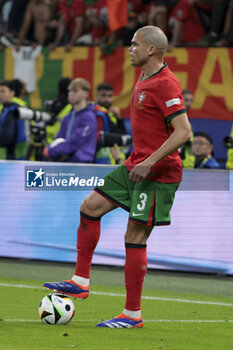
[(56, 308)]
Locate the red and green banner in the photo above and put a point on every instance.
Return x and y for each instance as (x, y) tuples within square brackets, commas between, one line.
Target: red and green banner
[(207, 72), (117, 13)]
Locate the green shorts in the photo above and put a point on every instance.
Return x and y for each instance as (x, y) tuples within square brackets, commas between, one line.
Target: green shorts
[(147, 202)]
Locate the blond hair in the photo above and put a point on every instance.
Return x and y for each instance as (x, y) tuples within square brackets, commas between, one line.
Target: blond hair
[(79, 83)]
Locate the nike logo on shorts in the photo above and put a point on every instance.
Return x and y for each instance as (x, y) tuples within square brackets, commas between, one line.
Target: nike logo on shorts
[(137, 214)]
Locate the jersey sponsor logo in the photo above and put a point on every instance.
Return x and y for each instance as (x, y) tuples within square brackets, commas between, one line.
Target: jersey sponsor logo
[(172, 102), (135, 214), (141, 98)]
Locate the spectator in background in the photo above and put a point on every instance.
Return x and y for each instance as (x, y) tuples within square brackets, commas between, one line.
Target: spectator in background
[(188, 159), (141, 8), (202, 148), (20, 91), (229, 144), (159, 13), (110, 121), (5, 8), (185, 24), (15, 22), (138, 12), (130, 29), (97, 19), (12, 133), (39, 13), (227, 35), (8, 123), (71, 23), (104, 98), (187, 99), (219, 13), (76, 139)]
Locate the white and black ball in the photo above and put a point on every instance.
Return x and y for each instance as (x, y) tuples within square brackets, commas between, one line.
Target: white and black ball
[(56, 308)]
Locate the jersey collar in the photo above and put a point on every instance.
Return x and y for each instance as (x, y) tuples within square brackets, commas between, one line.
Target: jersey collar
[(164, 65)]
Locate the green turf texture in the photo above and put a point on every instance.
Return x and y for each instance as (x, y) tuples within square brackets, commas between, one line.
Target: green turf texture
[(21, 328)]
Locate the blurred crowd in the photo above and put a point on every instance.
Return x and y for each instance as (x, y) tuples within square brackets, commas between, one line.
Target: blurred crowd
[(77, 130), (85, 22)]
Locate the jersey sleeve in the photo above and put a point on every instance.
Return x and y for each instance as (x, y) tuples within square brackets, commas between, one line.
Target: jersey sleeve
[(169, 99)]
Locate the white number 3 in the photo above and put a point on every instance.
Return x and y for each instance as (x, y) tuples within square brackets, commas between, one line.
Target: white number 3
[(143, 197)]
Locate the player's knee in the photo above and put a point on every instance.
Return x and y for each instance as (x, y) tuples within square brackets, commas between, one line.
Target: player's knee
[(136, 237), (88, 207)]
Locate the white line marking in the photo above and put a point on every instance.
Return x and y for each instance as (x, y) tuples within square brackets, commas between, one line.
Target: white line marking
[(158, 321), (123, 295), (168, 299), (191, 321), (19, 286), (22, 320)]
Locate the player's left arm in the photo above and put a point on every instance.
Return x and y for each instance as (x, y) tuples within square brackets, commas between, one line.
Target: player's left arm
[(181, 134)]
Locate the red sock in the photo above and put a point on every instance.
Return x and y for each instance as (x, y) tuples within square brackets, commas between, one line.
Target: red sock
[(87, 239), (135, 271)]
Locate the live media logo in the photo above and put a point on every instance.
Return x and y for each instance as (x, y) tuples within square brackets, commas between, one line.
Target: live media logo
[(54, 179)]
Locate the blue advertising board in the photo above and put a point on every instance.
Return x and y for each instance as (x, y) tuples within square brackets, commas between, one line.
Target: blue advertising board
[(39, 206)]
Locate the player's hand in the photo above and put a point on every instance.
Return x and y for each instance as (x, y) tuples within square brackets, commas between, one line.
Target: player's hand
[(140, 171), (46, 152), (116, 111)]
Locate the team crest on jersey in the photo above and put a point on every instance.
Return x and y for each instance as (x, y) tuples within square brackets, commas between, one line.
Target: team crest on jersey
[(141, 98)]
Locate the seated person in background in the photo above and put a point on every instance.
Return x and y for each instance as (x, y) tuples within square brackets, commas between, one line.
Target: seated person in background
[(188, 159), (76, 139), (202, 148), (8, 123), (229, 162), (109, 121), (104, 98), (12, 132)]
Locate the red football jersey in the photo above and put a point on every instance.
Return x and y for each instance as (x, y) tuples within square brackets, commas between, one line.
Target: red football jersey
[(154, 102)]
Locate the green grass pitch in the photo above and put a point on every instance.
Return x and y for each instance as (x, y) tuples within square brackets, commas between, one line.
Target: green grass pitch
[(181, 311)]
